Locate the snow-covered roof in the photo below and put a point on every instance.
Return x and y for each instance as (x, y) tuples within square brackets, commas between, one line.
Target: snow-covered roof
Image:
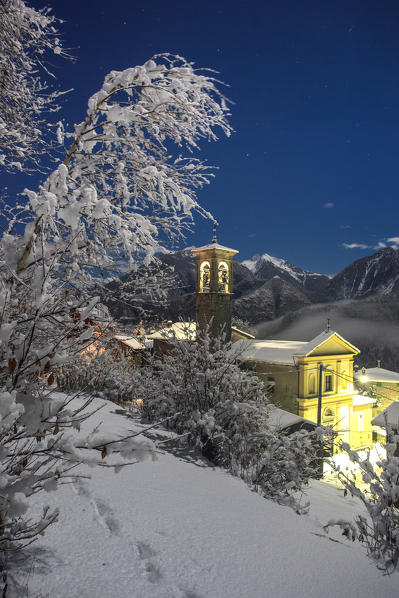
[(320, 339), (276, 351), (214, 246), (362, 400), (129, 341), (280, 419), (273, 351), (177, 330), (390, 415), (378, 375)]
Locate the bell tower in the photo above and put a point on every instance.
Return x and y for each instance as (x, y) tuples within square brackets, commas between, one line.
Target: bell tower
[(214, 287)]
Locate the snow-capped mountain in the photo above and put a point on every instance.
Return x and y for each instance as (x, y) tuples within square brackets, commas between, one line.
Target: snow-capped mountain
[(265, 267)]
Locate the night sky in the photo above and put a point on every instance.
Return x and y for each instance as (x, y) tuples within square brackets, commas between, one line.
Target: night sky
[(313, 163)]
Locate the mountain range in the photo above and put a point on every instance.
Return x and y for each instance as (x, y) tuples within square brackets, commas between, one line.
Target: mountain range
[(265, 287)]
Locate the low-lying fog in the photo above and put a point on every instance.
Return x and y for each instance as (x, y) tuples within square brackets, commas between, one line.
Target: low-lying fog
[(372, 326)]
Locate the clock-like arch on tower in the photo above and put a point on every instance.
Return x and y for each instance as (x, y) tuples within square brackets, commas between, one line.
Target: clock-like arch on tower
[(223, 277), (205, 277)]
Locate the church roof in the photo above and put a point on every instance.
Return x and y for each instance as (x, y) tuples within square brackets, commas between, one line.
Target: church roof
[(214, 246), (322, 338), (273, 351), (276, 351)]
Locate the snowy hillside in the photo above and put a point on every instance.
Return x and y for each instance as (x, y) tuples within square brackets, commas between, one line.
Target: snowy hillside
[(178, 528)]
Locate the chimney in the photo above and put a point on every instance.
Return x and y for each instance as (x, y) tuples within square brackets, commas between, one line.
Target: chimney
[(378, 363)]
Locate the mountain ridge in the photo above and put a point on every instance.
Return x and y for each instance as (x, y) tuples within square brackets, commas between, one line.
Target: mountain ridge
[(266, 287)]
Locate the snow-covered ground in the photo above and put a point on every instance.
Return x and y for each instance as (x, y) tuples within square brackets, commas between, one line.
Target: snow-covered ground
[(178, 528)]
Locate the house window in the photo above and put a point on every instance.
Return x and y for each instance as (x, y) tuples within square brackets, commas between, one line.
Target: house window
[(205, 277), (312, 384), (328, 383)]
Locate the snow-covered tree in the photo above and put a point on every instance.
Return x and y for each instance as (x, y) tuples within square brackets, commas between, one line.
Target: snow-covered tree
[(119, 195), (28, 38), (222, 409), (377, 487)]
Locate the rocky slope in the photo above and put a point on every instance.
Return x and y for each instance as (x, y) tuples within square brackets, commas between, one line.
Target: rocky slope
[(376, 274), (271, 300)]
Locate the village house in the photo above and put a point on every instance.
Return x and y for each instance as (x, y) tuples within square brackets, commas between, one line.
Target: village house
[(380, 383), (383, 386), (387, 424)]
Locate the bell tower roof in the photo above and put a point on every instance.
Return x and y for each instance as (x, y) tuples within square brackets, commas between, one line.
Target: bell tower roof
[(214, 246)]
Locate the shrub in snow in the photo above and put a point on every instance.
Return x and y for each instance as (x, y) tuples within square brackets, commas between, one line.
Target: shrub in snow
[(222, 409), (377, 487), (105, 372)]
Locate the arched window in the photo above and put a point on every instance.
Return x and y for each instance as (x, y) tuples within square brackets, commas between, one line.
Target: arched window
[(223, 277), (328, 417), (312, 384), (205, 277)]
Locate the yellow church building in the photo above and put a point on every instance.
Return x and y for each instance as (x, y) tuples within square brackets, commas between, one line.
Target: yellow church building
[(315, 381)]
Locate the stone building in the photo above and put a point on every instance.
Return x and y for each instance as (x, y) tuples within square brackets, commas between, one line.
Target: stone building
[(214, 292), (383, 386), (214, 288)]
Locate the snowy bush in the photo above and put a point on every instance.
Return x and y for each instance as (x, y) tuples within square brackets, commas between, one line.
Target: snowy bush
[(377, 487), (223, 409), (105, 373)]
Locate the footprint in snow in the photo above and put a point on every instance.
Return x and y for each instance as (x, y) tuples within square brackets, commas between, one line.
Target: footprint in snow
[(150, 570), (81, 488), (104, 516), (102, 512)]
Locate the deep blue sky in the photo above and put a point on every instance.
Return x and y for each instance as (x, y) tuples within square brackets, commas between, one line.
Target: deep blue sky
[(314, 160)]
